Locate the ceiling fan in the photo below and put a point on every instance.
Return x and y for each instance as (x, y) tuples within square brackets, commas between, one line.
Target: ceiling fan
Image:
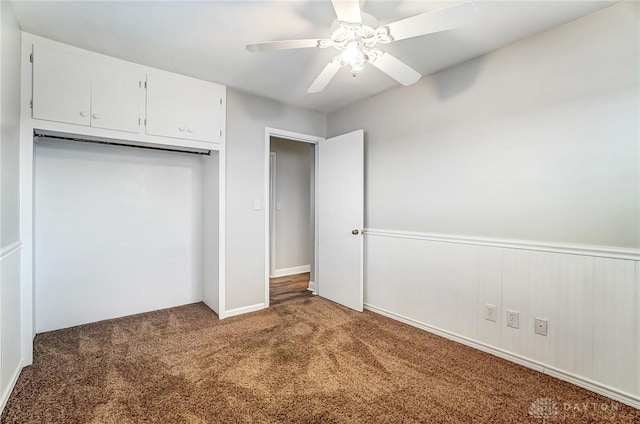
[(356, 36)]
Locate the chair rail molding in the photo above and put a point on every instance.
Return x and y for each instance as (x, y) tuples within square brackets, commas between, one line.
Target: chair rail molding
[(553, 247)]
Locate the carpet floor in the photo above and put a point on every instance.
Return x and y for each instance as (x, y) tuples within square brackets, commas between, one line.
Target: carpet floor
[(305, 361)]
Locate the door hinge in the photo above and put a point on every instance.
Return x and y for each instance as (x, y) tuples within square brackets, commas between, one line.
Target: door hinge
[(31, 58), (145, 84), (31, 104), (139, 84), (220, 101), (139, 120), (145, 122), (220, 133)]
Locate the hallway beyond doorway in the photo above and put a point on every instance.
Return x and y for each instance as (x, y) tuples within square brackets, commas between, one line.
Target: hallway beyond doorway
[(290, 287)]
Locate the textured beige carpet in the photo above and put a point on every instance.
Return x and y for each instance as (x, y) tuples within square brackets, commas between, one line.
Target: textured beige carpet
[(306, 361)]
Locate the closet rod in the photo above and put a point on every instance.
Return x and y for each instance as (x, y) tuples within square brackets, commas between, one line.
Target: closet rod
[(38, 137)]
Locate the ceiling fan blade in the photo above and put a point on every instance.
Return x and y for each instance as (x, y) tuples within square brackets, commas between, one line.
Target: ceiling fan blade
[(325, 77), (435, 21), (396, 69), (281, 45), (348, 10)]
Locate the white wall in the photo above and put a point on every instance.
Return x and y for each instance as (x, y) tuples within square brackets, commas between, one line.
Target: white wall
[(10, 342), (247, 117), (10, 125), (538, 141), (118, 231), (293, 196)]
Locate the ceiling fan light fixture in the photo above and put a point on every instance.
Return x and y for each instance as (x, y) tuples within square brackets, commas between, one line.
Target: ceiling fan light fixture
[(356, 36), (324, 43), (354, 54), (382, 35), (357, 67)]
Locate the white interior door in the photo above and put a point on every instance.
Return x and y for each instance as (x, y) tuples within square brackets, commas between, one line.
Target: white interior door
[(341, 219)]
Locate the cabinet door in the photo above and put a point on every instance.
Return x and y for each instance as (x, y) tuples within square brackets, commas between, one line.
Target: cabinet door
[(61, 86), (183, 108), (115, 101)]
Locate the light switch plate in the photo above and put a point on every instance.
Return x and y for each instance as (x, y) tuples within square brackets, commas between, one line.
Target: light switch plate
[(490, 312), (541, 326), (256, 205)]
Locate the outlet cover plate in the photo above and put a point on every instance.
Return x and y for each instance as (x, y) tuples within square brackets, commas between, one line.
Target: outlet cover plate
[(490, 312), (513, 319), (541, 326)]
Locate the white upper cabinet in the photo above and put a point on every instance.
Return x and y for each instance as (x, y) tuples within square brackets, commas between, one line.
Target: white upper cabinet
[(182, 107), (61, 87), (80, 92), (72, 89), (115, 98)]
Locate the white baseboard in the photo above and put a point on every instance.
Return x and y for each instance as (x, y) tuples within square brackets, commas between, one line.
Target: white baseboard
[(593, 386), (243, 310), (283, 272), (312, 287), (7, 392)]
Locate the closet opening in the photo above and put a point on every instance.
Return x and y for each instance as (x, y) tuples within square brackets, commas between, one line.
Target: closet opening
[(122, 229)]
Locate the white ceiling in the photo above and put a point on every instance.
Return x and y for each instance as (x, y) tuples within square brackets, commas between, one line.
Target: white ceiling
[(206, 39)]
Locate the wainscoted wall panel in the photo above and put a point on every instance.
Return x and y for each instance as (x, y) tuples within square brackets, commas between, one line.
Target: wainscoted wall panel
[(615, 337), (572, 341), (489, 291), (10, 353), (591, 303)]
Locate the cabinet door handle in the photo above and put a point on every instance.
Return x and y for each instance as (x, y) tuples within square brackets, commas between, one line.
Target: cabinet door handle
[(190, 130), (96, 116), (83, 113), (181, 129)]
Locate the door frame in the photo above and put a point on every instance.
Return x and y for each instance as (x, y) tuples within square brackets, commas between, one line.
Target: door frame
[(272, 210), (293, 136)]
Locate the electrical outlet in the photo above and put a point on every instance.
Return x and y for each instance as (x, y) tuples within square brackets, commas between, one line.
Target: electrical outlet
[(513, 319), (541, 326), (490, 312)]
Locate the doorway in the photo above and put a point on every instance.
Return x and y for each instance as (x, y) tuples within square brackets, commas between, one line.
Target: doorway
[(292, 216), (336, 268), (290, 222)]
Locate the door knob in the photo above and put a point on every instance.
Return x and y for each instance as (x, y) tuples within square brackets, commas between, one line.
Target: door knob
[(96, 116), (181, 129), (355, 232), (83, 113)]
